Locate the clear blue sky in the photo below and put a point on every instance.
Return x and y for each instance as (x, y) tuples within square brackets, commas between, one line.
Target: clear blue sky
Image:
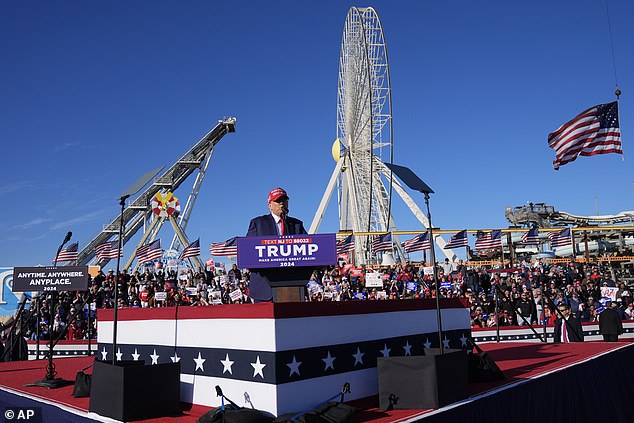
[(94, 94)]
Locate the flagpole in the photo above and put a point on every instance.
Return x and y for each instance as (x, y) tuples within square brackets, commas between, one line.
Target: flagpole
[(501, 250)]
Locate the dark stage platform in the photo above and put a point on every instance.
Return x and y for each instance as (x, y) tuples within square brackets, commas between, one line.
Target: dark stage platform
[(545, 382)]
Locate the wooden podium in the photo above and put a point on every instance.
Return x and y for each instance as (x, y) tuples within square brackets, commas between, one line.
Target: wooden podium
[(288, 284)]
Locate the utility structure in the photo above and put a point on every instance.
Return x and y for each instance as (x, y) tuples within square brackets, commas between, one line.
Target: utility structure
[(365, 140), (137, 212)]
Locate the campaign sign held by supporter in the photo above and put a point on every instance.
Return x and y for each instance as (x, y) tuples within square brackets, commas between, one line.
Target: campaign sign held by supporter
[(287, 251)]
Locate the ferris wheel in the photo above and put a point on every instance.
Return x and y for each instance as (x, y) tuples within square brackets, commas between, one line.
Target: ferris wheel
[(364, 138), (364, 126)]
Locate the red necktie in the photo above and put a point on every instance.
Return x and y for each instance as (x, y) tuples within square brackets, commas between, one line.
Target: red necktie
[(564, 332), (282, 228)]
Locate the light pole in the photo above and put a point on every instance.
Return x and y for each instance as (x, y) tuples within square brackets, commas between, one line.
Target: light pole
[(410, 179)]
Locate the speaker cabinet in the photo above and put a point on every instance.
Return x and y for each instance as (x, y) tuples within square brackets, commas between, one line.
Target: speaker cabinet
[(131, 390), (423, 382)]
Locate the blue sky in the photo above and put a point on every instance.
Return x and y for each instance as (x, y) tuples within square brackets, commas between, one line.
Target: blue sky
[(94, 94)]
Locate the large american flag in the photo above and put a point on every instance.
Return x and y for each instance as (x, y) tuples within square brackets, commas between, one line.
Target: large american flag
[(418, 243), (149, 252), (68, 254), (560, 238), (108, 250), (192, 250), (594, 131), (531, 237), (345, 245), (458, 240), (489, 240), (382, 243), (227, 248)]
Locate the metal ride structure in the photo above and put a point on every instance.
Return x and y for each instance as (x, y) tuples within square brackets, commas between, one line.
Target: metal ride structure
[(157, 203), (365, 140)]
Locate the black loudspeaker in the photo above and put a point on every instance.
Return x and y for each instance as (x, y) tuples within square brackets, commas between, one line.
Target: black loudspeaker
[(130, 390), (422, 382)]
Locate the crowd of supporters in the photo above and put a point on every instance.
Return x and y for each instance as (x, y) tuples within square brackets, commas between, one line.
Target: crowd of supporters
[(527, 293)]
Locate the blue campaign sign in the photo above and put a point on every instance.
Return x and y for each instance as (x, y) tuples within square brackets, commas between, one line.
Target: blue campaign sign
[(287, 251), (9, 301)]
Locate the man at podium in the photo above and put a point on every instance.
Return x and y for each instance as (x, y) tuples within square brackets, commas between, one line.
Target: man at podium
[(277, 222)]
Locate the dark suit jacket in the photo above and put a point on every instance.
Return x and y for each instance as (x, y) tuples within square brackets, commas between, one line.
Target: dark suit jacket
[(259, 287), (610, 322), (574, 329)]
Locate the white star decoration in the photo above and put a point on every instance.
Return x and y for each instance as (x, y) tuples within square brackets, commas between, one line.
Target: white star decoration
[(104, 354), (385, 351), (119, 354), (329, 362), (226, 365), (199, 362), (358, 357), (408, 348), (258, 367), (175, 358), (154, 357), (136, 355), (445, 342), (427, 344), (294, 366), (463, 341)]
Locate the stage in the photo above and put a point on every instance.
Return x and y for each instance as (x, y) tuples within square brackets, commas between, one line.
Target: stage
[(547, 382)]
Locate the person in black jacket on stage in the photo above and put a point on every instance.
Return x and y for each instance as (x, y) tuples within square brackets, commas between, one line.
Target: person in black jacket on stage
[(569, 328), (277, 222), (610, 325)]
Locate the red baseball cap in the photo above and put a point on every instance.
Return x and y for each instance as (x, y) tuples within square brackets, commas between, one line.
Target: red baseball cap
[(277, 193)]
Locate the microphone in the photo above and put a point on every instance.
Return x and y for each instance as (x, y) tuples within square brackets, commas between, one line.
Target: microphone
[(283, 217), (66, 239)]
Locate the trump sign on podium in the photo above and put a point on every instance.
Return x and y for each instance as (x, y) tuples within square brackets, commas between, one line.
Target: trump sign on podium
[(287, 251)]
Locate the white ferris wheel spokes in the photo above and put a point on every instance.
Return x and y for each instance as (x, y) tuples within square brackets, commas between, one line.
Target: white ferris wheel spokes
[(364, 136)]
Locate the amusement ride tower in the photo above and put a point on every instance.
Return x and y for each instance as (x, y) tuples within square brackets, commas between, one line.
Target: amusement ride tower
[(365, 139)]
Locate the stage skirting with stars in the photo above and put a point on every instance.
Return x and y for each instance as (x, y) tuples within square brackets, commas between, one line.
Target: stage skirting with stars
[(526, 334), (281, 357)]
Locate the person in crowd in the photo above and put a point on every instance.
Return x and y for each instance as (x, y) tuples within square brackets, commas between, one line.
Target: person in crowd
[(526, 308)]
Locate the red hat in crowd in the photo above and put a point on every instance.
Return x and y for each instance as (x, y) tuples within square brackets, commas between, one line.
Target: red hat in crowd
[(277, 193)]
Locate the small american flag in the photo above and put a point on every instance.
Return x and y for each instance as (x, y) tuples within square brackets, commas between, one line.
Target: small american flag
[(418, 243), (382, 243), (531, 237), (192, 250), (458, 240), (68, 254), (594, 131), (149, 252), (345, 245), (560, 239), (489, 240), (226, 249), (108, 250)]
